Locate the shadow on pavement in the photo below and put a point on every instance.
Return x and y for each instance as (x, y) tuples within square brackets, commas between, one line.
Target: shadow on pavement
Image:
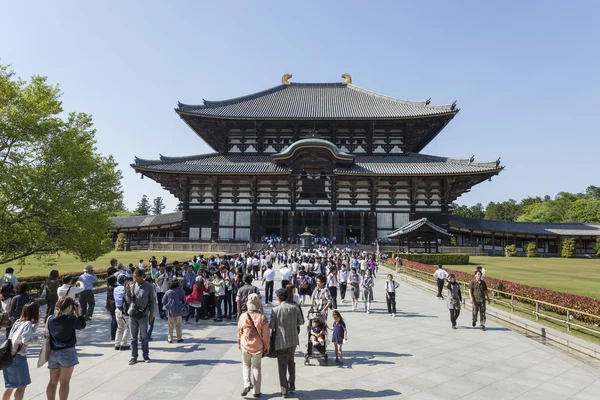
[(342, 394)]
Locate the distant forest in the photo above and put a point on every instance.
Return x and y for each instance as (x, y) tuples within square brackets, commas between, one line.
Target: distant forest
[(565, 207)]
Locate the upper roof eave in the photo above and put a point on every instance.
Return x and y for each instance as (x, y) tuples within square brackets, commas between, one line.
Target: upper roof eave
[(332, 101)]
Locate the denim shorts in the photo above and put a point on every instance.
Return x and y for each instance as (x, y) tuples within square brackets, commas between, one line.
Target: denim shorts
[(65, 358), (17, 374)]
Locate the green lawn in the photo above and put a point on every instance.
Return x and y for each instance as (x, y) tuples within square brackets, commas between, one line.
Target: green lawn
[(576, 276), (68, 263)]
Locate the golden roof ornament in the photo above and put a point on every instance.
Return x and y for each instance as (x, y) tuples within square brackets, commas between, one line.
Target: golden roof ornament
[(347, 79), (285, 79)]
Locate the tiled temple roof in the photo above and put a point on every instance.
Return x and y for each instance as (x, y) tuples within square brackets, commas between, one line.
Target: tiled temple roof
[(316, 101), (400, 164)]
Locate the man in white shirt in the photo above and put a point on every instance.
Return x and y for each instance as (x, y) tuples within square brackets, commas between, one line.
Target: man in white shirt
[(441, 276), (286, 273), (269, 278), (66, 290)]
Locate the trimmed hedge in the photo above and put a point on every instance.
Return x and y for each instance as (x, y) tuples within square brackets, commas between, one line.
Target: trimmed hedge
[(437, 258), (531, 293)]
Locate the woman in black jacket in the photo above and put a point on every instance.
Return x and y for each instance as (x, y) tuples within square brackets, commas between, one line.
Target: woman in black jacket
[(63, 356)]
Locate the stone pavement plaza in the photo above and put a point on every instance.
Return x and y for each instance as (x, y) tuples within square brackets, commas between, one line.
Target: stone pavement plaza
[(413, 356)]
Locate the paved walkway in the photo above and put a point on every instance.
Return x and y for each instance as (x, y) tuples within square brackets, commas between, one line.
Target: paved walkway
[(413, 356)]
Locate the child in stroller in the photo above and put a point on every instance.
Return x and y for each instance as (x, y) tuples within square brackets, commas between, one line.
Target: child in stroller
[(316, 347), (317, 334)]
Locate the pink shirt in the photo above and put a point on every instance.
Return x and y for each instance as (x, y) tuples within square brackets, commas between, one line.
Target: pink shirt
[(248, 338)]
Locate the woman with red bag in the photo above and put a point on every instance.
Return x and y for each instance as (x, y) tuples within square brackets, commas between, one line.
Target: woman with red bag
[(194, 300)]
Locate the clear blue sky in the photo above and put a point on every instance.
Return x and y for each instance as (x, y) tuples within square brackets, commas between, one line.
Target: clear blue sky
[(525, 73)]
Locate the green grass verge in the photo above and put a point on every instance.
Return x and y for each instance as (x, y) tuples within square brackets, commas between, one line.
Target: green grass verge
[(68, 263), (576, 275)]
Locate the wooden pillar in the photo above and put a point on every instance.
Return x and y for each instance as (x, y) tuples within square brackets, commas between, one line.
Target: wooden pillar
[(437, 248), (185, 213), (362, 227), (470, 230), (282, 215), (291, 227), (580, 246), (493, 241)]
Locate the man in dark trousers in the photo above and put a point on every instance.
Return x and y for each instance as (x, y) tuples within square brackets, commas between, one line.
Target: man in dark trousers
[(478, 293), (269, 278), (285, 320), (441, 276)]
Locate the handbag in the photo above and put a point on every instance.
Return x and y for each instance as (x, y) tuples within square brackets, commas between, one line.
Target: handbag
[(272, 352), (6, 355), (45, 349), (137, 312)]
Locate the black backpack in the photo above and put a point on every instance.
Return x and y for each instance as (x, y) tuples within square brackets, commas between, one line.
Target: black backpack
[(6, 357)]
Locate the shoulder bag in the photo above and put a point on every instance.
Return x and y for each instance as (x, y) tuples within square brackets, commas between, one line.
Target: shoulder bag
[(45, 349), (259, 333), (137, 312)]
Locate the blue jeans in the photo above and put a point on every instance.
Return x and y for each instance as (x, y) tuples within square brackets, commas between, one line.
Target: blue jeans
[(139, 326), (151, 328)]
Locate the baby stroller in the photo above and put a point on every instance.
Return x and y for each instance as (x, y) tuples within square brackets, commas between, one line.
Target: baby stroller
[(319, 351)]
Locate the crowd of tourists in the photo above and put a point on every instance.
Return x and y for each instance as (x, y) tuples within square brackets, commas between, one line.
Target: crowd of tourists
[(208, 288)]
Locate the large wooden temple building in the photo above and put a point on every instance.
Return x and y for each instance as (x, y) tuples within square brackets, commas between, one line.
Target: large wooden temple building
[(340, 160)]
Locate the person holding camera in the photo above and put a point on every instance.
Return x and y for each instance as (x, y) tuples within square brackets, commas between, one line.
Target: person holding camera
[(62, 326), (139, 295)]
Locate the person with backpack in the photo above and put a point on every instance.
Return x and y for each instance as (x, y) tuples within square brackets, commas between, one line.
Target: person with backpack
[(22, 334), (254, 339), (51, 286), (304, 285), (390, 294), (121, 306), (62, 327)]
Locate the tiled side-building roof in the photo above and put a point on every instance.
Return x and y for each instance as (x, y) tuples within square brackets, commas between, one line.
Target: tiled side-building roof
[(411, 164), (316, 101), (139, 221), (416, 225), (526, 228)]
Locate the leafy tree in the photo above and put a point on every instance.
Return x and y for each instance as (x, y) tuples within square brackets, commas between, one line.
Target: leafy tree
[(567, 247), (178, 207), (143, 206), (540, 212), (57, 192), (530, 249), (121, 244), (583, 210), (510, 250), (159, 206), (505, 211), (593, 192), (475, 211)]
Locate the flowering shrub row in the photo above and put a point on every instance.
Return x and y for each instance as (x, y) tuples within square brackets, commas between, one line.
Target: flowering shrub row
[(437, 258), (531, 293)]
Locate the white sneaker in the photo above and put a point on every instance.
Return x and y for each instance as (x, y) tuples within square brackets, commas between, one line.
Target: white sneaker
[(368, 312), (391, 315), (394, 315)]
